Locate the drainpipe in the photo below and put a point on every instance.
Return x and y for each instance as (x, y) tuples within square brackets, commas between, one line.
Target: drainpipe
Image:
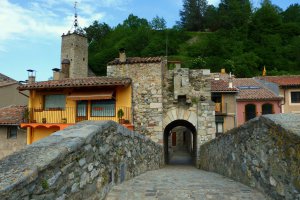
[(281, 104), (24, 94)]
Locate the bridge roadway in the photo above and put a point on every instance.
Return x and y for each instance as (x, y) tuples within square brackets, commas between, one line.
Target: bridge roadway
[(182, 181)]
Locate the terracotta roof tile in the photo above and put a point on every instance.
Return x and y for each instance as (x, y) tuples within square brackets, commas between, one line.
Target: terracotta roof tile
[(221, 86), (283, 80), (250, 89), (5, 80), (12, 115), (132, 60), (78, 82)]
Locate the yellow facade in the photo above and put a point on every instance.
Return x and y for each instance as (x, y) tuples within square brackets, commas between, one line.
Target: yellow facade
[(44, 122)]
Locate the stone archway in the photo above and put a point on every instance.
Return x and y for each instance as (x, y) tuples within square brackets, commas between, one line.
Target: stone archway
[(191, 138)]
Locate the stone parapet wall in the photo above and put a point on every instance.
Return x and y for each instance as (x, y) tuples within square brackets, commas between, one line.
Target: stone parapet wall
[(263, 153), (81, 162)]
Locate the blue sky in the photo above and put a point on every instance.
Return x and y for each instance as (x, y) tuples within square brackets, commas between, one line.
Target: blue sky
[(30, 31)]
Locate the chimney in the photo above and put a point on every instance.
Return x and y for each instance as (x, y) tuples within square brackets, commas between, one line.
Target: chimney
[(122, 55), (56, 74), (230, 81), (223, 71), (31, 76)]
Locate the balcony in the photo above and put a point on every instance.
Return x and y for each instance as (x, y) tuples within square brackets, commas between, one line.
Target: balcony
[(72, 115)]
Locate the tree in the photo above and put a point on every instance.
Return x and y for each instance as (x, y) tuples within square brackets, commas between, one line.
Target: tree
[(234, 13), (192, 15), (134, 22), (158, 23), (97, 31), (292, 13)]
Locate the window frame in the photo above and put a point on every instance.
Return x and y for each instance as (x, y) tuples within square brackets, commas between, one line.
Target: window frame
[(106, 100), (255, 111), (54, 108), (290, 97), (9, 132), (265, 104)]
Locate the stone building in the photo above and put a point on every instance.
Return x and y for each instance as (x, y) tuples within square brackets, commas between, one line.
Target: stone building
[(164, 99), (74, 55), (12, 137)]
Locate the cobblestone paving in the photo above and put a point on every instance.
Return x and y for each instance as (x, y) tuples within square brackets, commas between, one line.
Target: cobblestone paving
[(182, 182)]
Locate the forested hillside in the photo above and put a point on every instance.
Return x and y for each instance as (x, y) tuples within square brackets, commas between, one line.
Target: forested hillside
[(233, 36)]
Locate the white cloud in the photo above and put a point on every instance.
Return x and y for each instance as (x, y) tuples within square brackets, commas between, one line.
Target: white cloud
[(38, 18)]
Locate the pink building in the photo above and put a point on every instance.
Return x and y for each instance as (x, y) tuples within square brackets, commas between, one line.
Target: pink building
[(254, 99)]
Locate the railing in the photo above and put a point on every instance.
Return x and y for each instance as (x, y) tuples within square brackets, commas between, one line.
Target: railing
[(73, 115)]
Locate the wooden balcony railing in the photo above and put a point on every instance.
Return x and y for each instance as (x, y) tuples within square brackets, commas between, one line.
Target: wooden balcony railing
[(73, 115)]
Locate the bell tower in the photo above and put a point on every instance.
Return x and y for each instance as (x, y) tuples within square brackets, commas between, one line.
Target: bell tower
[(74, 48)]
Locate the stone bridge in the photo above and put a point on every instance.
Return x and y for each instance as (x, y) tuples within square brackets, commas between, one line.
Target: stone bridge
[(87, 160)]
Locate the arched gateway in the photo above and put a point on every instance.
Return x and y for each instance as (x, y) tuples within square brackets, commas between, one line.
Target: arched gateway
[(180, 135), (167, 98)]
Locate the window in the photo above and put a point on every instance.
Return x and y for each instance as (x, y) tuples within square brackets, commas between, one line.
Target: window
[(295, 97), (219, 125), (103, 108), (250, 111), (11, 132), (56, 101), (267, 109)]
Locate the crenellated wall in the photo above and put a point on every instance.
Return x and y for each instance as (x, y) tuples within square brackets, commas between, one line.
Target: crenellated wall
[(81, 162), (263, 153)]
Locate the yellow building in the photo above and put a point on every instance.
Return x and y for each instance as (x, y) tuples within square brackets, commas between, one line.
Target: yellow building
[(57, 104)]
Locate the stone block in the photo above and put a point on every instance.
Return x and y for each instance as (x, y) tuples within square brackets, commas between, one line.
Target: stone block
[(156, 105)]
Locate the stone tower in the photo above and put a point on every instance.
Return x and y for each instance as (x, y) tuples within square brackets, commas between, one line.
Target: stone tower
[(74, 47), (74, 50)]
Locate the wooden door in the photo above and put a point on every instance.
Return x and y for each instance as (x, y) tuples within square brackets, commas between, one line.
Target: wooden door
[(174, 139), (81, 110)]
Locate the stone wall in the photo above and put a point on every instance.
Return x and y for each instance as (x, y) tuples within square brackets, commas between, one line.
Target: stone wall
[(81, 162), (263, 153), (10, 145), (74, 47), (147, 96)]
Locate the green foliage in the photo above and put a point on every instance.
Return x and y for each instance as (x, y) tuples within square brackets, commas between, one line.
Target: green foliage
[(241, 40), (45, 184)]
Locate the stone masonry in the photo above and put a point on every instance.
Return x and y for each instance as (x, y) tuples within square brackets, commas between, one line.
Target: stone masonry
[(81, 162), (162, 96), (74, 47), (263, 153), (147, 95)]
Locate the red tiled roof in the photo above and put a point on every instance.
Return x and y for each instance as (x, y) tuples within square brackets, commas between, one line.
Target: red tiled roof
[(283, 80), (5, 80), (78, 82), (132, 60), (221, 86), (250, 89), (12, 115)]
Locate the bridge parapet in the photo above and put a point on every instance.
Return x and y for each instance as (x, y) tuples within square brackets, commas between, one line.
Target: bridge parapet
[(81, 162), (263, 153)]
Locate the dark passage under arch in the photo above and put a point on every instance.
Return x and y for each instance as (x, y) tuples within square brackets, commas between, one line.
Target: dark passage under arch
[(168, 131)]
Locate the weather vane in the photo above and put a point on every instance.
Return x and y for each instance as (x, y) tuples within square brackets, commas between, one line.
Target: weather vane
[(75, 20)]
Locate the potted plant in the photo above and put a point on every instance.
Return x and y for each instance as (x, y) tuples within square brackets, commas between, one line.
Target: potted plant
[(120, 115), (26, 115), (64, 120)]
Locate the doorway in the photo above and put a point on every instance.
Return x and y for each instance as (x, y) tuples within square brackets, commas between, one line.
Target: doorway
[(81, 110), (180, 143)]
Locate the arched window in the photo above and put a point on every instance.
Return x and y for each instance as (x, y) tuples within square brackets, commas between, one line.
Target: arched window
[(250, 111), (267, 109)]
